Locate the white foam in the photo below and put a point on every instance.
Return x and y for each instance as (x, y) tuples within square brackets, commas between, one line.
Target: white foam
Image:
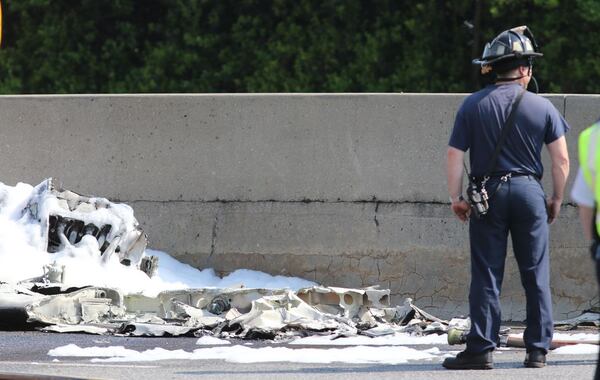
[(176, 273), (577, 349), (75, 350), (211, 341), (244, 354), (23, 255), (584, 337), (398, 339), (19, 239)]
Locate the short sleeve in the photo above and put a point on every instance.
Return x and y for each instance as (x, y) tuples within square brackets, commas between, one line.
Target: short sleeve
[(459, 138), (556, 125)]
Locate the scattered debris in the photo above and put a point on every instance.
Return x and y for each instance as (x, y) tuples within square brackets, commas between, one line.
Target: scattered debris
[(88, 329), (241, 312), (459, 328), (589, 317)]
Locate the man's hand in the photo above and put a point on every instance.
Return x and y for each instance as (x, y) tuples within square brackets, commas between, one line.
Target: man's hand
[(461, 209), (553, 208)]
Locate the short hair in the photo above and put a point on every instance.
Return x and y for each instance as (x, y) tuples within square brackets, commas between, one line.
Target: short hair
[(504, 66)]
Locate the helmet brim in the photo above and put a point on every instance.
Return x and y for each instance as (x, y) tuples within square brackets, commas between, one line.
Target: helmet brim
[(492, 60)]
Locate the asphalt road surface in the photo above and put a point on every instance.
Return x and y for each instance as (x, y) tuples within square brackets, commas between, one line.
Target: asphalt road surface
[(24, 355)]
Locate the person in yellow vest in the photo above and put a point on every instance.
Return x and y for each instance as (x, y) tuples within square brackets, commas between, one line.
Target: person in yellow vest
[(586, 193)]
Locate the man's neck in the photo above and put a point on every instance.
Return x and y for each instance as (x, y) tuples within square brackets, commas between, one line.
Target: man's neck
[(519, 81)]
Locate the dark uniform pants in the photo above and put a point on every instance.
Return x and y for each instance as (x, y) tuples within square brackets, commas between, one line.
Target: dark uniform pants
[(518, 207)]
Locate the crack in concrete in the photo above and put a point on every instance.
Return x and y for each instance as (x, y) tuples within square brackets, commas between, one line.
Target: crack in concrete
[(213, 241)]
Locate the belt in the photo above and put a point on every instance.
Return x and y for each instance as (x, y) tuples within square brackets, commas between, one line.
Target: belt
[(506, 176)]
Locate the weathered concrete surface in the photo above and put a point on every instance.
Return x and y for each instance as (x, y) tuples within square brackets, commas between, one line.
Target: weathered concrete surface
[(417, 250), (343, 189), (237, 147)]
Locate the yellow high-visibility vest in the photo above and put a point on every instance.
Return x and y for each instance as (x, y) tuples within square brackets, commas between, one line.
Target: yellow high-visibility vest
[(589, 159)]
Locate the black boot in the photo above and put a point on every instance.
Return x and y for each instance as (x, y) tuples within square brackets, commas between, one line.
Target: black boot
[(535, 359), (467, 360)]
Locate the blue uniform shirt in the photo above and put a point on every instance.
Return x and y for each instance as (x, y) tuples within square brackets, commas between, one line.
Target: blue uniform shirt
[(482, 116)]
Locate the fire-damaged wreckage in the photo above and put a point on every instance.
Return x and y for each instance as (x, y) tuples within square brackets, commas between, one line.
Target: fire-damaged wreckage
[(48, 304), (228, 313)]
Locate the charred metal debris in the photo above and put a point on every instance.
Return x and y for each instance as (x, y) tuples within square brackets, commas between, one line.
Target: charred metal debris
[(228, 313)]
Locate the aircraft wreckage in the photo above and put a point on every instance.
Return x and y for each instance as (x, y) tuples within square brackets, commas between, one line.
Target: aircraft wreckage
[(48, 303)]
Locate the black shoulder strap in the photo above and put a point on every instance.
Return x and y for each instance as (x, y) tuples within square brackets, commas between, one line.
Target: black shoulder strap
[(504, 133)]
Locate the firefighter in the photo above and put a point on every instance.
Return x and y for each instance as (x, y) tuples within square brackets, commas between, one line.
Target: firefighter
[(517, 203)]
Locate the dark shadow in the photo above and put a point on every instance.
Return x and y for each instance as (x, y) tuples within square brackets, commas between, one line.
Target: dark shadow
[(355, 368)]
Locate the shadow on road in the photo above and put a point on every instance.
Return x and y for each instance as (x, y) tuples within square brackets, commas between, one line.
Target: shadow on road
[(382, 368)]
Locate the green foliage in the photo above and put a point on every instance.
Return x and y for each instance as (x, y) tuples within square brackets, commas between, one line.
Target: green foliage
[(130, 46)]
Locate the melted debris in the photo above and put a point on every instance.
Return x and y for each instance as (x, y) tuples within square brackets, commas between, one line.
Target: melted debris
[(240, 312)]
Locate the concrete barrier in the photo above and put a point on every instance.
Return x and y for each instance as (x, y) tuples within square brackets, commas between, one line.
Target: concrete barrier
[(343, 189)]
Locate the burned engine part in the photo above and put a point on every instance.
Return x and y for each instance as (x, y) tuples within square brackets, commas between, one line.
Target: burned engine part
[(66, 217), (74, 230), (218, 305)]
